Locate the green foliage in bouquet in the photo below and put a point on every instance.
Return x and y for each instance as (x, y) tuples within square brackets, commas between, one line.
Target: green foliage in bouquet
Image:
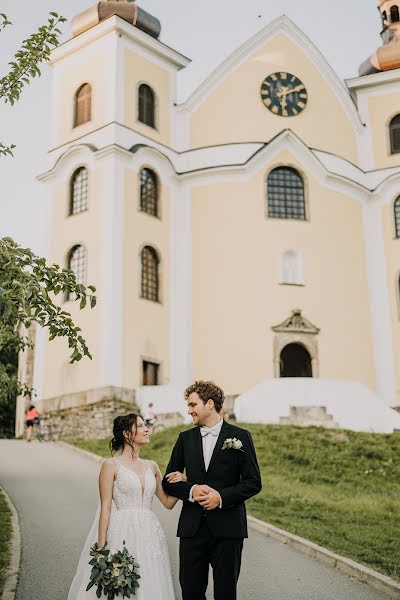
[(113, 572)]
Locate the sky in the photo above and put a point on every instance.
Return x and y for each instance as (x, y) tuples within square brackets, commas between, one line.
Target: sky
[(345, 31)]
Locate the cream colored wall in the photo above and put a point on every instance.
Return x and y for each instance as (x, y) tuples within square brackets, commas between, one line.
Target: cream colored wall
[(382, 109), (392, 252), (93, 68), (85, 228), (139, 70), (236, 296), (146, 323), (323, 124)]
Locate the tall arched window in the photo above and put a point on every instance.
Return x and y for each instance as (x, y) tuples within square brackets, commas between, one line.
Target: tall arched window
[(148, 192), (78, 194), (394, 14), (77, 263), (286, 194), (150, 278), (147, 105), (291, 268), (394, 128), (83, 105), (396, 208)]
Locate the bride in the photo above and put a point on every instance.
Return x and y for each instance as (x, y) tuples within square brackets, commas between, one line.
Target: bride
[(127, 485)]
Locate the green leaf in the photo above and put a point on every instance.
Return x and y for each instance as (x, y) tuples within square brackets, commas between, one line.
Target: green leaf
[(90, 585)]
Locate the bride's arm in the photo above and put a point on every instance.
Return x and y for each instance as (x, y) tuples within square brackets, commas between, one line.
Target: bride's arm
[(167, 501), (106, 483)]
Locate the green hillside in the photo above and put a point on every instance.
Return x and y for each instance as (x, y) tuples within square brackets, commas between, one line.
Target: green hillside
[(339, 489)]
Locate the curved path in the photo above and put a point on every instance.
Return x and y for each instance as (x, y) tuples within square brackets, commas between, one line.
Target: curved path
[(55, 493)]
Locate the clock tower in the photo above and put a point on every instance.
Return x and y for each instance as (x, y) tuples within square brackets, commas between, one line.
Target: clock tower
[(387, 57)]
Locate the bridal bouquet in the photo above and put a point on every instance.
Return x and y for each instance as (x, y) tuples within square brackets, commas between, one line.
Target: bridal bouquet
[(114, 572)]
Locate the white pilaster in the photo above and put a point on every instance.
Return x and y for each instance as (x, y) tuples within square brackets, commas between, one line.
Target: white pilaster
[(181, 286), (379, 303), (111, 259)]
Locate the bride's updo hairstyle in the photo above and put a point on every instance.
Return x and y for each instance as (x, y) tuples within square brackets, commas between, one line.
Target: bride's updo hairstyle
[(121, 424)]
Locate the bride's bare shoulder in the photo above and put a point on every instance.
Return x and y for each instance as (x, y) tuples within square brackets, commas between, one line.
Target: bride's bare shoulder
[(109, 464), (154, 467)]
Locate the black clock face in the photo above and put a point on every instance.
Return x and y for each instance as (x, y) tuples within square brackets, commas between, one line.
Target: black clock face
[(284, 94)]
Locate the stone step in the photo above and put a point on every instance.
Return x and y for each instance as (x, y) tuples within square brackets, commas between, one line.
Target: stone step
[(309, 415)]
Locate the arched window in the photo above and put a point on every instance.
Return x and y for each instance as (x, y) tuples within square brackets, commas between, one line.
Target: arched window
[(78, 194), (148, 192), (150, 279), (384, 17), (397, 217), (77, 263), (394, 128), (394, 14), (83, 105), (286, 194), (291, 268), (146, 105)]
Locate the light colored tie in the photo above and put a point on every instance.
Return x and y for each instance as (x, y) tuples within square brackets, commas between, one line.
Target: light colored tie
[(204, 431)]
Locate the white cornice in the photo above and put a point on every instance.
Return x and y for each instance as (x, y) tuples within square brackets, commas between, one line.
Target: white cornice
[(232, 160), (121, 27), (369, 81), (78, 151), (281, 25)]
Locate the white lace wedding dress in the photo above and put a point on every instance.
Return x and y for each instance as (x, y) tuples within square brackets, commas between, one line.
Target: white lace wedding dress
[(133, 521)]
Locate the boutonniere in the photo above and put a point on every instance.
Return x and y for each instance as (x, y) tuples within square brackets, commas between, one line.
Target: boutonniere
[(232, 444)]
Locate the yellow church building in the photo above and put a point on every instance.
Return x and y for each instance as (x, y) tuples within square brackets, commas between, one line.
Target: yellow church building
[(250, 235)]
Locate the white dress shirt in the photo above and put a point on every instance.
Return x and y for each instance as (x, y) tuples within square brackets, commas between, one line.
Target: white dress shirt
[(209, 437)]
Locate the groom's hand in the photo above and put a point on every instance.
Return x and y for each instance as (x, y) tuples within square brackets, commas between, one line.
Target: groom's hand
[(211, 500), (200, 492)]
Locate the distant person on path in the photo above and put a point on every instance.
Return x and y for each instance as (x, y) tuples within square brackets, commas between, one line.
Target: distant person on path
[(222, 473), (127, 486), (150, 416), (31, 418)]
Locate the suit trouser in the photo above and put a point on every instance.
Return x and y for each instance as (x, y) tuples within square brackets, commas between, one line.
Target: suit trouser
[(202, 550)]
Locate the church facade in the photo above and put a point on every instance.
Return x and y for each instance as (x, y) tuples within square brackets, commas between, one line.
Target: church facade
[(251, 233)]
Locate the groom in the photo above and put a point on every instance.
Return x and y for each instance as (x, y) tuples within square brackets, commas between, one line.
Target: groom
[(222, 473)]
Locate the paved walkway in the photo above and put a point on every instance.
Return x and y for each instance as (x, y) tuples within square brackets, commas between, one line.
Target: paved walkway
[(55, 493)]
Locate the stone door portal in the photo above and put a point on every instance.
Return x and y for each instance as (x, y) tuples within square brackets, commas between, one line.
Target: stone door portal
[(296, 347)]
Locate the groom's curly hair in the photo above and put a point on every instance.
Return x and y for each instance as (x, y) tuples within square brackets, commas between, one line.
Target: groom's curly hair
[(207, 390)]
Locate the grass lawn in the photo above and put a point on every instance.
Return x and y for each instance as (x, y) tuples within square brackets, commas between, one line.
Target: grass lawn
[(5, 539), (339, 489)]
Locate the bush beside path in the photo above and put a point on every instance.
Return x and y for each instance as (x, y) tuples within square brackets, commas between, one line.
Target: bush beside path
[(339, 489), (5, 540)]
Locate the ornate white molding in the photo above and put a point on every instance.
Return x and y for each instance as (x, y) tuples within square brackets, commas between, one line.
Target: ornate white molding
[(219, 163), (296, 323)]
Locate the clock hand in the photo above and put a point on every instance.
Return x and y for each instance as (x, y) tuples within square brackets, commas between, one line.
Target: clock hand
[(283, 103), (282, 95), (286, 91)]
